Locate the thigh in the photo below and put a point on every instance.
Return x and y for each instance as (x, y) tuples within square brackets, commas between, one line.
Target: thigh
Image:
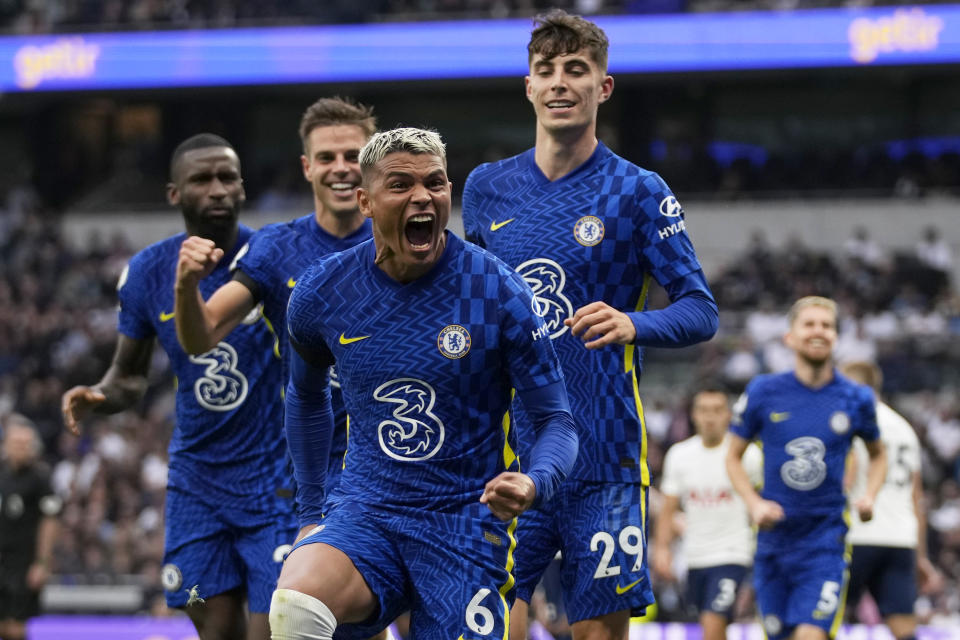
[(365, 541), (199, 559), (459, 566), (603, 535), (896, 584), (537, 546), (262, 549), (819, 582), (772, 594)]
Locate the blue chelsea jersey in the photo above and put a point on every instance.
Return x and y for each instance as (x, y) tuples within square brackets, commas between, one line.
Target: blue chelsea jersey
[(426, 370), (599, 233), (274, 259), (228, 438), (806, 434)]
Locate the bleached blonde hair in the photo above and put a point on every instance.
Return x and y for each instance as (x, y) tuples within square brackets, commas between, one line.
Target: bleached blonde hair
[(810, 301), (402, 139)]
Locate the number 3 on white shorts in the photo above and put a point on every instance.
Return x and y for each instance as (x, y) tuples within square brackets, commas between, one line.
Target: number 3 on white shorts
[(631, 542)]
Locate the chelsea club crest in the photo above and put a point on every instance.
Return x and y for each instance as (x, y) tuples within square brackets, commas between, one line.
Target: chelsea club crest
[(588, 231), (454, 341)]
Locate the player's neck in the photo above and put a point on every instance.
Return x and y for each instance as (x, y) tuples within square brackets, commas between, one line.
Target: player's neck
[(559, 152), (337, 226), (813, 374)]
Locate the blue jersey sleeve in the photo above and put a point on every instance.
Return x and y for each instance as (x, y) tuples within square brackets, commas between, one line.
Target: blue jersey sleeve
[(660, 232), (134, 314), (690, 318), (867, 427), (747, 421), (472, 229), (308, 421), (557, 442), (254, 261)]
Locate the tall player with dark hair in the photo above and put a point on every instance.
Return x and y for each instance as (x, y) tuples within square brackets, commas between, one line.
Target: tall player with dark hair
[(589, 231), (229, 513)]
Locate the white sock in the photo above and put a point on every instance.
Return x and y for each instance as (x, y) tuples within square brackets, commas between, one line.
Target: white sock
[(297, 616)]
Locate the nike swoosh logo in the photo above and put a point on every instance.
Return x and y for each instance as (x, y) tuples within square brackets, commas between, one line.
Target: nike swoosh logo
[(345, 340), (496, 225), (166, 315), (622, 590), (291, 283), (779, 417)]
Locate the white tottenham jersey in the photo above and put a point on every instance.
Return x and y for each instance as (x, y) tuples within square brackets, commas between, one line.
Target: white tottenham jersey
[(894, 522), (718, 527)]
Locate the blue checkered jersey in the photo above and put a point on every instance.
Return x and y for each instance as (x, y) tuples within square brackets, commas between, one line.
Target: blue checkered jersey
[(599, 233), (274, 259), (228, 438), (806, 434), (426, 369)]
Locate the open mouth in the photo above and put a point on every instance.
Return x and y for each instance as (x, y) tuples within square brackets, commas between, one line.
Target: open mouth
[(419, 231), (343, 189)]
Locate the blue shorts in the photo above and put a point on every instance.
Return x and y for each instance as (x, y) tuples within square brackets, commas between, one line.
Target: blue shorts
[(801, 586), (600, 529), (888, 573), (217, 548), (451, 570), (715, 588)]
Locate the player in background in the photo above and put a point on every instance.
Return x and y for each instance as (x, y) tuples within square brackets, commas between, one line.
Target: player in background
[(890, 550), (805, 420), (718, 540), (332, 131), (590, 232), (428, 339), (229, 513), (28, 525)]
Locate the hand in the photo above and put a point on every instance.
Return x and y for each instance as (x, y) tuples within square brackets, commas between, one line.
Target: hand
[(864, 507), (37, 576), (198, 257), (598, 325), (929, 579), (766, 513), (509, 494), (77, 403), (663, 563)]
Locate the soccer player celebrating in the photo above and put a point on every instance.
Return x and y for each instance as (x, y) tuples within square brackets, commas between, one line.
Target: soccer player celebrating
[(890, 550), (589, 231), (805, 420), (718, 540), (229, 513), (332, 131), (429, 338)]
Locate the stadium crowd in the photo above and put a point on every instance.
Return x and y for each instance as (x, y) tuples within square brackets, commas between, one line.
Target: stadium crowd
[(57, 327)]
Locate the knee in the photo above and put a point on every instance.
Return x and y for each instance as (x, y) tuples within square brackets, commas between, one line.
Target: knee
[(297, 616)]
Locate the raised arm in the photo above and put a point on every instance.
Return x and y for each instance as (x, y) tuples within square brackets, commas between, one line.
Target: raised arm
[(202, 324), (121, 387)]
